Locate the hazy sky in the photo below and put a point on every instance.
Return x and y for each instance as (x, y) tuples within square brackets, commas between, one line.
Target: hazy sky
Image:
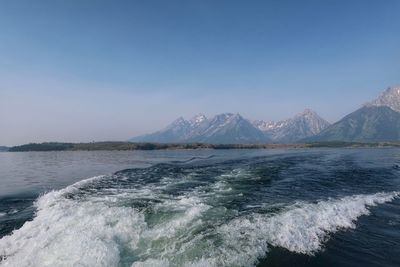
[(109, 70)]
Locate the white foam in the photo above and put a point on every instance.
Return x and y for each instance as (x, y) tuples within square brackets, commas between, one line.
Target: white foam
[(98, 230), (151, 263), (187, 212), (2, 214), (93, 229), (301, 228), (304, 228), (66, 233)]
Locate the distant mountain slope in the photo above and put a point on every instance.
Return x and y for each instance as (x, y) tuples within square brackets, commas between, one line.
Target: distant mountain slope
[(367, 124), (3, 148), (305, 124), (224, 128), (176, 132)]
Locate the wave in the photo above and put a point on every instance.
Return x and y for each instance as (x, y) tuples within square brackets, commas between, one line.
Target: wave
[(105, 230), (193, 159), (301, 228)]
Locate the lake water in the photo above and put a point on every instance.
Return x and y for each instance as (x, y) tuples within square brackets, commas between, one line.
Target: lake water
[(315, 207)]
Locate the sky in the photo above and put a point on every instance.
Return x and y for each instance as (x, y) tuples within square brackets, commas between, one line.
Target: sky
[(80, 70)]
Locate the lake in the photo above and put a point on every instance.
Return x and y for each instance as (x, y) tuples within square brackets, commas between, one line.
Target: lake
[(294, 207)]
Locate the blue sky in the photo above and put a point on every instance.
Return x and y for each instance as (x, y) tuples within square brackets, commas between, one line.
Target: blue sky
[(108, 70)]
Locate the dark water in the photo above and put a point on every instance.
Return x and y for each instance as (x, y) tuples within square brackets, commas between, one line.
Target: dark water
[(332, 207)]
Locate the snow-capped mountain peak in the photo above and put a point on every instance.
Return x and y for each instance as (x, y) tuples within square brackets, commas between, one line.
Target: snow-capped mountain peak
[(302, 125), (229, 128), (389, 98)]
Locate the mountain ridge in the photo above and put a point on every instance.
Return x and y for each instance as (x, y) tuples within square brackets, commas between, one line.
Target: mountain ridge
[(233, 128), (302, 125), (222, 128)]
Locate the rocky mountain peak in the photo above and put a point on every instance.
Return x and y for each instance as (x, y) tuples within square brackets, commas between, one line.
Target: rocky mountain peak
[(307, 113), (222, 118), (304, 124), (389, 98)]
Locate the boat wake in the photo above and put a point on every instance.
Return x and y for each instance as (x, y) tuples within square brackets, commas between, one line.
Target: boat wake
[(98, 222)]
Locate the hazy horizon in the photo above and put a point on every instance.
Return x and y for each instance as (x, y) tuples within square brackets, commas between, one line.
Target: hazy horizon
[(75, 71)]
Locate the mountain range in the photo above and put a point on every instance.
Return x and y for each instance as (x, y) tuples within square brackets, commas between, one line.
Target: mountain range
[(226, 128), (229, 128), (376, 121)]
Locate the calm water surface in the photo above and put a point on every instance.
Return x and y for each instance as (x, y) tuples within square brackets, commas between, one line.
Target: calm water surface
[(328, 207)]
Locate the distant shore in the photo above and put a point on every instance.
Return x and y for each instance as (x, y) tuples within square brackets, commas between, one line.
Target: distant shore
[(94, 146)]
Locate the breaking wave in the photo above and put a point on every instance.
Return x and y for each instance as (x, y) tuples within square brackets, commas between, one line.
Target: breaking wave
[(300, 228), (86, 225)]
